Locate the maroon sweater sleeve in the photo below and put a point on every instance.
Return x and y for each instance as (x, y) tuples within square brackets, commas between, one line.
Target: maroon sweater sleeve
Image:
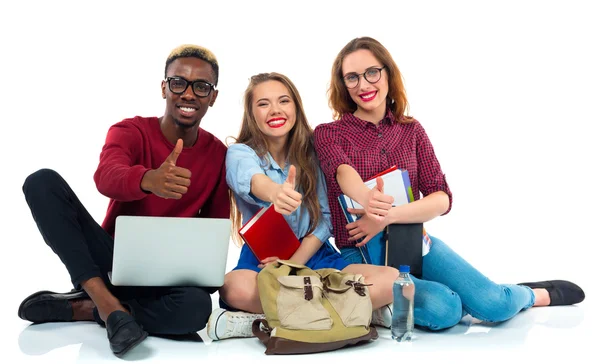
[(118, 177), (217, 205)]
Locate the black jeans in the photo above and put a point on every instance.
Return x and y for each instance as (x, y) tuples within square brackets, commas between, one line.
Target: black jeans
[(86, 250)]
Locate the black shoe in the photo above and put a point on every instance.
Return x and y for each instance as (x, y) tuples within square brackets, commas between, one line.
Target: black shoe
[(47, 306), (123, 332), (561, 292)]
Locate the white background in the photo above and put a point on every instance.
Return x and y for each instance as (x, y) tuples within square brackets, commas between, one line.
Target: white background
[(507, 91)]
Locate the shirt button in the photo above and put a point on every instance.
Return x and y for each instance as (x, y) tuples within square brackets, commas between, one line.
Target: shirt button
[(379, 135), (383, 151)]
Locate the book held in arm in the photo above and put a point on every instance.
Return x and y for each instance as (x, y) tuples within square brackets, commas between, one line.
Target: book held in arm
[(397, 244), (268, 234), (396, 183)]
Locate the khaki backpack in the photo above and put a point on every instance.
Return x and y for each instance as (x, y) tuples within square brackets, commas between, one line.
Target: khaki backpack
[(309, 311)]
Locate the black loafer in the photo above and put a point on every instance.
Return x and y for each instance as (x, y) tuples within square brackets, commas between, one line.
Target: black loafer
[(561, 292), (124, 333), (47, 306)]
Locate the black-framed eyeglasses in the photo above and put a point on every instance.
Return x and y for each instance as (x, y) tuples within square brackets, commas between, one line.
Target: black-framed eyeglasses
[(372, 75), (178, 85)]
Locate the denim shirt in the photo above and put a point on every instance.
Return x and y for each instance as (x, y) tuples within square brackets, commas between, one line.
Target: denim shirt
[(242, 163)]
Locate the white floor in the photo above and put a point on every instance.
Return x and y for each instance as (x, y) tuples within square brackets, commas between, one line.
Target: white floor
[(539, 333), (548, 333)]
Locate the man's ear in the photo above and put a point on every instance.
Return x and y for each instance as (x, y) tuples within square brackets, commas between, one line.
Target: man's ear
[(163, 87), (213, 97)]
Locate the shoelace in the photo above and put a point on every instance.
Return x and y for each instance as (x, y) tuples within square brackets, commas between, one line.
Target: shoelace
[(241, 324)]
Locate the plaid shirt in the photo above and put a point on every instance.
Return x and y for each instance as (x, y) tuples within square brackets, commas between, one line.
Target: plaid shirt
[(370, 149)]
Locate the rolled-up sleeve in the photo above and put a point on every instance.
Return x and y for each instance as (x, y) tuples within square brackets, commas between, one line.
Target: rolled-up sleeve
[(330, 152), (323, 231), (431, 177), (241, 164)]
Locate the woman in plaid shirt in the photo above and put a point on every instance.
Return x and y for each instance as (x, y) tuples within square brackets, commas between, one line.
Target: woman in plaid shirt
[(373, 133)]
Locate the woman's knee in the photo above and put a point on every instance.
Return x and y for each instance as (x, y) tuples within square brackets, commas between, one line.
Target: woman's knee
[(494, 306), (383, 279), (240, 292), (438, 310)]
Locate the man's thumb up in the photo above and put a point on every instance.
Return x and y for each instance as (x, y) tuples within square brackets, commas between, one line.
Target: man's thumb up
[(172, 158)]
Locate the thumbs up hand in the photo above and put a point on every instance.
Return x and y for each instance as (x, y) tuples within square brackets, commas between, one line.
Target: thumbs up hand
[(168, 181), (379, 203), (285, 198)]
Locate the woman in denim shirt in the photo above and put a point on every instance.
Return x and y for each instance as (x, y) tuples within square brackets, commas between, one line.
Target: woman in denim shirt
[(274, 162)]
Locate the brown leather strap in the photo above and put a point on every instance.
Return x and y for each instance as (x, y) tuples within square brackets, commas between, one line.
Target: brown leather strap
[(260, 334)]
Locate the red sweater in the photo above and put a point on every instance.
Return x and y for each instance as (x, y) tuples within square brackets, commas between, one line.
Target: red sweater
[(134, 146)]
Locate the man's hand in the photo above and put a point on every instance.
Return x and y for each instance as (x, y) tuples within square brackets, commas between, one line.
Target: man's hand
[(379, 203), (285, 198), (168, 181)]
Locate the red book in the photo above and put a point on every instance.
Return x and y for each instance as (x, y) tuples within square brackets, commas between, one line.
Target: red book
[(267, 234)]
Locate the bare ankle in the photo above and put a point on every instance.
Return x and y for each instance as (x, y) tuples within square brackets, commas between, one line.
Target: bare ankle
[(107, 310), (542, 297), (105, 301)]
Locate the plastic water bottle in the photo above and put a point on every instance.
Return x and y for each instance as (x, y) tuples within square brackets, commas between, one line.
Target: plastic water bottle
[(403, 309)]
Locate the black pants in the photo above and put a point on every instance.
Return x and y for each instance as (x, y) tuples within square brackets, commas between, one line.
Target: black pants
[(87, 251)]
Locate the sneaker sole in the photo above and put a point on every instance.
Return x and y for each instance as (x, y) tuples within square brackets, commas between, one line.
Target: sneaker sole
[(211, 326)]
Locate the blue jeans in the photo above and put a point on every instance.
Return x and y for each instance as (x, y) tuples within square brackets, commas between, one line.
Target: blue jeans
[(450, 288)]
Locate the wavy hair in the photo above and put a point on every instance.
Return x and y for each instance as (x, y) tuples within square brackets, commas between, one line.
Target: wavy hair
[(299, 149), (339, 97)]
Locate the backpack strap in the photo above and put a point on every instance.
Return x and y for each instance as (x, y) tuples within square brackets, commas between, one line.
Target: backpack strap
[(262, 335)]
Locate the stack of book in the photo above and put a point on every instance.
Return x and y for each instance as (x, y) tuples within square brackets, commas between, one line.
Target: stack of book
[(398, 244)]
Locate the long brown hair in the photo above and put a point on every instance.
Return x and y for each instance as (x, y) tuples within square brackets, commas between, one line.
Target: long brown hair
[(339, 97), (299, 147)]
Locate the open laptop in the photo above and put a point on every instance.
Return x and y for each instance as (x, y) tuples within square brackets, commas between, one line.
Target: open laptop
[(170, 251)]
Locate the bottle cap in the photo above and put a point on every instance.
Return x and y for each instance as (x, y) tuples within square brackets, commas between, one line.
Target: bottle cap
[(405, 269)]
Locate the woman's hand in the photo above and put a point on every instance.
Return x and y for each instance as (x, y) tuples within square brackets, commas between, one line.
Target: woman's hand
[(378, 204), (366, 227), (269, 260), (285, 198)]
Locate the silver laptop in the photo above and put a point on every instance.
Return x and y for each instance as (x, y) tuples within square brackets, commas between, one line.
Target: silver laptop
[(170, 251)]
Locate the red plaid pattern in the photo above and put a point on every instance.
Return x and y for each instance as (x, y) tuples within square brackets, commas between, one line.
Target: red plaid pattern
[(370, 149)]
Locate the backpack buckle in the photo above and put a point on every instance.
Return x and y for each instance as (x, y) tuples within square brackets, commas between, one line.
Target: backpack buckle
[(308, 292), (359, 288)]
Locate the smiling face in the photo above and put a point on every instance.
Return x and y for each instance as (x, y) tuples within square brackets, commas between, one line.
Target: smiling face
[(187, 109), (274, 110), (370, 98)]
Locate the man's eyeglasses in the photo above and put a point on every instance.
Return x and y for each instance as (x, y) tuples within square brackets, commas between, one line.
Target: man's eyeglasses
[(178, 85), (372, 75)]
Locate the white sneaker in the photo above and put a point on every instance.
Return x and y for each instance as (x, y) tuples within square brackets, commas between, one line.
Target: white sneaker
[(383, 316), (224, 324)]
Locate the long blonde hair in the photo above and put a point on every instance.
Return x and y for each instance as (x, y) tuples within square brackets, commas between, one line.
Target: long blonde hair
[(299, 148), (339, 97)]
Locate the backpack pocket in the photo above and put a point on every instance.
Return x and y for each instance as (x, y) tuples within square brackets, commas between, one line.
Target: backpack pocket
[(299, 305), (350, 299)]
